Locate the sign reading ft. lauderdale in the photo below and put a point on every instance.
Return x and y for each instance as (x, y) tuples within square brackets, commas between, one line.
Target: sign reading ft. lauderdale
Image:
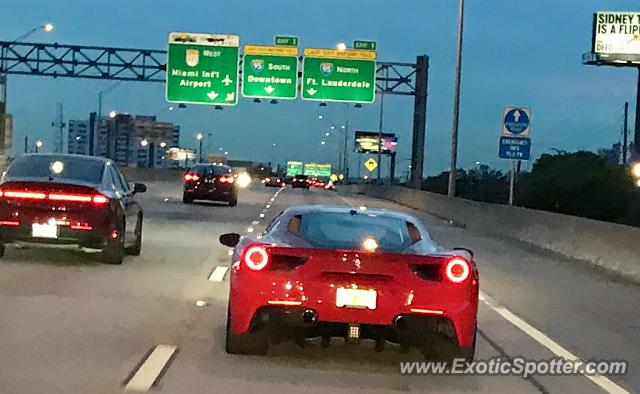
[(202, 69), (339, 75), (270, 72)]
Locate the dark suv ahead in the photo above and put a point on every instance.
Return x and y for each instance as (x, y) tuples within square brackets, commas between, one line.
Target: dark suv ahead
[(70, 200), (212, 182), (300, 181)]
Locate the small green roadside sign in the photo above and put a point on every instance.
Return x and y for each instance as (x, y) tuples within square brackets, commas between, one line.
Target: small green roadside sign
[(270, 72), (294, 168), (202, 68), (339, 75), (365, 45), (287, 41)]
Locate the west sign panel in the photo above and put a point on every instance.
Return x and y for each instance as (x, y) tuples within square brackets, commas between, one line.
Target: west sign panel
[(202, 68), (339, 75), (617, 33), (270, 72)]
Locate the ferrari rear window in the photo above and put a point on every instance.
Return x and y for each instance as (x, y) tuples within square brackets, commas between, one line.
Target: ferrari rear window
[(350, 231)]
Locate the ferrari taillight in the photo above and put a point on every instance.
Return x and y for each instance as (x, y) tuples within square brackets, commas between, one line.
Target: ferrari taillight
[(255, 257), (457, 270)]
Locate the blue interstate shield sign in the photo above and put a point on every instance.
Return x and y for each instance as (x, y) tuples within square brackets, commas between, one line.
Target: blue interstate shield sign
[(515, 148)]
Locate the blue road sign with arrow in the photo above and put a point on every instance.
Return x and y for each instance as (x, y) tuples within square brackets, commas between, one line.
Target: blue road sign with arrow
[(516, 122)]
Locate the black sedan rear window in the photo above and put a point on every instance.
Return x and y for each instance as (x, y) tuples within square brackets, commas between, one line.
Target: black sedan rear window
[(347, 231), (56, 168)]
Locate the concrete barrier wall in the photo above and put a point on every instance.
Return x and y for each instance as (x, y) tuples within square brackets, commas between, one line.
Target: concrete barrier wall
[(612, 247), (142, 175)]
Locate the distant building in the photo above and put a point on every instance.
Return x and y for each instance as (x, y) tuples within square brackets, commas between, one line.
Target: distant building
[(78, 137), (139, 141)]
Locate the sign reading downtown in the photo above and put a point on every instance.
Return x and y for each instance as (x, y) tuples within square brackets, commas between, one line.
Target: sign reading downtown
[(202, 69), (339, 75), (270, 72)]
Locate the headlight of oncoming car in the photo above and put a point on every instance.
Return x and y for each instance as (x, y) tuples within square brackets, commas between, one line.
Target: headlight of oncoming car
[(244, 180)]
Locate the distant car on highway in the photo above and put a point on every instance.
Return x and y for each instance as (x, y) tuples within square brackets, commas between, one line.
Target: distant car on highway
[(56, 199), (351, 272), (274, 181), (212, 182), (300, 181)]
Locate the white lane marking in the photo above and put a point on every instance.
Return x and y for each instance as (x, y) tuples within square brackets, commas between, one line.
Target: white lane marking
[(218, 274), (251, 229), (604, 383), (151, 368), (262, 215), (268, 206), (255, 222)]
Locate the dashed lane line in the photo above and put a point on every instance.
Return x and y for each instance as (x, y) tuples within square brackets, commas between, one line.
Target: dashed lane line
[(151, 368), (218, 273)]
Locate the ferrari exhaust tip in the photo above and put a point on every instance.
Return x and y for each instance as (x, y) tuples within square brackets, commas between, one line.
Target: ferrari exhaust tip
[(310, 317)]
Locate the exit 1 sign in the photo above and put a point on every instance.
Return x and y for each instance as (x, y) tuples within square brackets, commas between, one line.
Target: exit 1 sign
[(365, 45)]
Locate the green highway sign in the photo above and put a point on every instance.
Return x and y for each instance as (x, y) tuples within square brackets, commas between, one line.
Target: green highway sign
[(287, 41), (314, 169), (270, 72), (202, 69), (294, 168), (365, 45), (339, 75)]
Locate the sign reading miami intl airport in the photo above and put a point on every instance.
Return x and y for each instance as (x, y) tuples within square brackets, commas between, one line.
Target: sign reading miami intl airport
[(202, 68)]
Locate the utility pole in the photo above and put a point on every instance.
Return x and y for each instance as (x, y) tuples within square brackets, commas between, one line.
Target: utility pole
[(636, 137), (380, 125), (456, 104), (625, 134)]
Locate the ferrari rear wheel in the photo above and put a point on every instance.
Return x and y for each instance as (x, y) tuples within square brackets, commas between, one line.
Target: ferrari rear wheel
[(2, 250), (187, 199), (250, 343)]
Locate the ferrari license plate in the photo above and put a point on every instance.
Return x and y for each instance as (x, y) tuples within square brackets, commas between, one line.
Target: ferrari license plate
[(44, 230), (356, 298)]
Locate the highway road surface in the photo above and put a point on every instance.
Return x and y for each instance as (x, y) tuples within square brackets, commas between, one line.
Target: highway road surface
[(69, 324)]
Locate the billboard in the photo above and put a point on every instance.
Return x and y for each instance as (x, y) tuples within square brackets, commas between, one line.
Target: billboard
[(315, 169), (294, 168), (617, 33), (368, 142)]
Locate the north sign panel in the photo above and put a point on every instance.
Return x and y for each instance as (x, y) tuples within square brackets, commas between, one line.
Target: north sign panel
[(339, 75)]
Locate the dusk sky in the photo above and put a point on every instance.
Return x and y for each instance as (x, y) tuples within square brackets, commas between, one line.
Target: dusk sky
[(524, 53)]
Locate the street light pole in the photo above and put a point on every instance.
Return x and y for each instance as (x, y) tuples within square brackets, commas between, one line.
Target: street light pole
[(200, 137), (47, 27), (456, 103), (345, 154)]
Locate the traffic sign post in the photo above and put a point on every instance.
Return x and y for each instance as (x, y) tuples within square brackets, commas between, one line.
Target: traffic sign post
[(516, 122), (515, 144), (371, 164), (339, 75), (202, 69), (515, 148), (270, 72)]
